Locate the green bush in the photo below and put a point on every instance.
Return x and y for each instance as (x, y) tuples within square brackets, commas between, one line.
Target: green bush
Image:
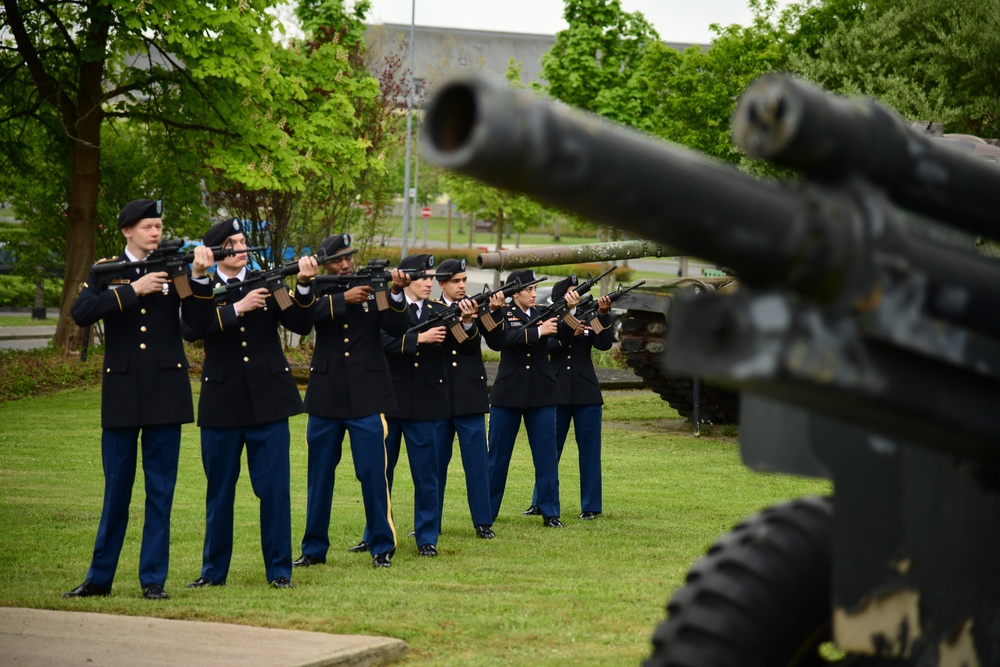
[(19, 292)]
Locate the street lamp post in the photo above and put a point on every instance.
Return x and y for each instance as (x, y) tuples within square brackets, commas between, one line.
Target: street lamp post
[(409, 136)]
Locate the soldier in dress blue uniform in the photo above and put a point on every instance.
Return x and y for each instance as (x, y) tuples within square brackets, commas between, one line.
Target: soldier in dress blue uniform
[(525, 387), (349, 390), (468, 397), (145, 389), (247, 395), (580, 398), (419, 380)]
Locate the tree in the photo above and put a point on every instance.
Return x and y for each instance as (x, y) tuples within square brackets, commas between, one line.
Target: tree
[(928, 59), (593, 62), (208, 75)]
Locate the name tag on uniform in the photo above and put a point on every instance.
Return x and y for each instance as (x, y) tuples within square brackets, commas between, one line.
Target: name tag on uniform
[(516, 323)]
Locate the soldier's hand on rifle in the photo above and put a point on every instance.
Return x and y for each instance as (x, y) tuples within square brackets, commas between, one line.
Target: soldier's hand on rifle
[(604, 304), (468, 308), (399, 281), (497, 301), (149, 283), (435, 335), (580, 328), (204, 259), (308, 268), (357, 294), (548, 327), (572, 298), (252, 301)]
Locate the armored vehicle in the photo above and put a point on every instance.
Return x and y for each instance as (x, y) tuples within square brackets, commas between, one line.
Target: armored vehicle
[(645, 329), (864, 339)]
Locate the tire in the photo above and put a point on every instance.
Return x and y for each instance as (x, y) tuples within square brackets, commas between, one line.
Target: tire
[(760, 597), (643, 336)]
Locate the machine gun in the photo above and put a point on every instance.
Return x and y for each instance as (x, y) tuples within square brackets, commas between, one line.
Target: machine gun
[(451, 317), (864, 337), (560, 309), (166, 257), (271, 279), (588, 310), (375, 274)]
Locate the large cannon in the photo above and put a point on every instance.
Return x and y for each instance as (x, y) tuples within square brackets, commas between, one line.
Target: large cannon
[(645, 325), (865, 341)]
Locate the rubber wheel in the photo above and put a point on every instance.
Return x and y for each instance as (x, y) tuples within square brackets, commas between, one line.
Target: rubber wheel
[(760, 597)]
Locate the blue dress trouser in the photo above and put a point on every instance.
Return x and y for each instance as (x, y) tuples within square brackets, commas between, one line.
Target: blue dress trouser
[(587, 419), (326, 439), (161, 446), (421, 452), (471, 431), (267, 460), (540, 424)]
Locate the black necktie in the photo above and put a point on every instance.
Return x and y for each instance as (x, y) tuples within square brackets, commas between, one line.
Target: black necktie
[(415, 308), (232, 281)]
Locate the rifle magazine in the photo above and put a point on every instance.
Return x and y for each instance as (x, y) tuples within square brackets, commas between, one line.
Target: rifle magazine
[(571, 321), (458, 331), (183, 286), (283, 297), (381, 299), (487, 321)]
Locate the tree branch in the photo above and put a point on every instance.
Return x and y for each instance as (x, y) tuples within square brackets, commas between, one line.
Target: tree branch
[(170, 123)]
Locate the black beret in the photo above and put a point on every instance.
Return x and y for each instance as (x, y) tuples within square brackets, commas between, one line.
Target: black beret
[(416, 262), (560, 288), (337, 245), (140, 209), (522, 275), (220, 231), (451, 266)]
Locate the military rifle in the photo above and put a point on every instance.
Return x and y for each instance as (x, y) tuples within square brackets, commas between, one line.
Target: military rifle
[(271, 279), (451, 317), (560, 309), (588, 309), (166, 257), (377, 275)]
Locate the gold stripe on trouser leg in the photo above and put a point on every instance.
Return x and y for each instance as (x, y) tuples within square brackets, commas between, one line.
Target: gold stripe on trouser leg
[(385, 477)]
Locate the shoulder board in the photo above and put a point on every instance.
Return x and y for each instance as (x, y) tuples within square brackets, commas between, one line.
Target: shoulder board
[(106, 260)]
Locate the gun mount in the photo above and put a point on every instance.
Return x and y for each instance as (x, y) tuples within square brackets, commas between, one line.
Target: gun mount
[(863, 337)]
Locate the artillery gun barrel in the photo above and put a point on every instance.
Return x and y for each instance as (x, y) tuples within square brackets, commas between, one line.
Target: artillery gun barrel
[(792, 123), (580, 163), (505, 260)]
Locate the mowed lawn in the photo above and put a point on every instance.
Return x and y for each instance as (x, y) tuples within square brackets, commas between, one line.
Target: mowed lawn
[(588, 594)]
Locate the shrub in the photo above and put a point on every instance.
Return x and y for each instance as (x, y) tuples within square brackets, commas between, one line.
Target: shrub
[(19, 292), (26, 373), (622, 274)]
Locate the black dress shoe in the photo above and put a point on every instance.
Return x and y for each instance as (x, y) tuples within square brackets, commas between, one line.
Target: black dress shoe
[(305, 560), (428, 550), (381, 560), (485, 532), (201, 582), (589, 516), (86, 590), (552, 522), (532, 511), (282, 582), (154, 592), (358, 548)]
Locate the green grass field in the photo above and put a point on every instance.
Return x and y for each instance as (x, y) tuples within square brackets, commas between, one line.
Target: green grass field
[(588, 594)]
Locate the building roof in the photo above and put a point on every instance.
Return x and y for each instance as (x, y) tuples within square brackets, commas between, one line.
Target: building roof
[(443, 53)]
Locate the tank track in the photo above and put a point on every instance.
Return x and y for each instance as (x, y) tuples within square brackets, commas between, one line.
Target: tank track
[(643, 339)]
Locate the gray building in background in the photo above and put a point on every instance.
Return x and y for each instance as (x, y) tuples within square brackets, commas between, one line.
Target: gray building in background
[(443, 53)]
